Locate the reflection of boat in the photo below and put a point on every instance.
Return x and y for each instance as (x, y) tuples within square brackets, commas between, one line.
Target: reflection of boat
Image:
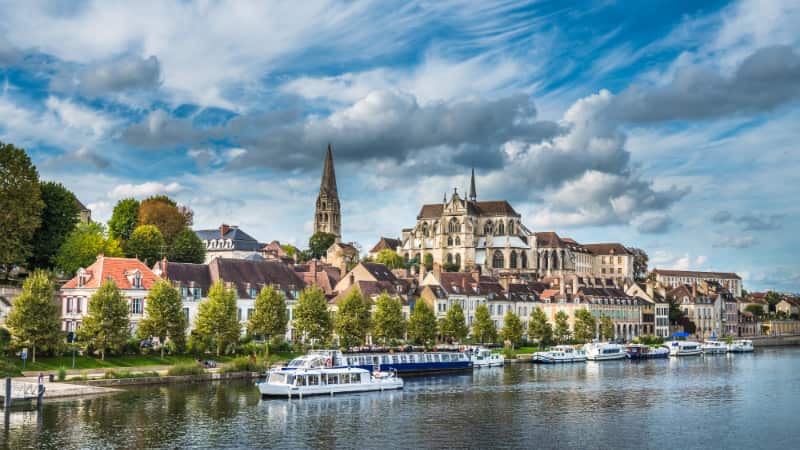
[(640, 351), (402, 363), (603, 351), (483, 357), (560, 354), (741, 346), (714, 347), (684, 348)]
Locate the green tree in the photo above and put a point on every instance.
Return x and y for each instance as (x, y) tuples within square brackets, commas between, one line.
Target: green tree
[(21, 204), (35, 319), (755, 309), (606, 328), (163, 213), (124, 219), (107, 326), (561, 331), (483, 327), (422, 324), (82, 246), (269, 317), (59, 218), (539, 328), (585, 325), (640, 260), (146, 244), (427, 261), (454, 327), (390, 259), (772, 298), (319, 243), (217, 322), (290, 250), (311, 316), (512, 328), (387, 321), (164, 317), (352, 321), (187, 247)]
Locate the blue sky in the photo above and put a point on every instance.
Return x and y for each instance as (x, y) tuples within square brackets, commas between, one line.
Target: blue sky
[(671, 126)]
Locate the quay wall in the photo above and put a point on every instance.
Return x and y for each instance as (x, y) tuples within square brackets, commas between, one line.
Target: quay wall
[(119, 382), (774, 341)]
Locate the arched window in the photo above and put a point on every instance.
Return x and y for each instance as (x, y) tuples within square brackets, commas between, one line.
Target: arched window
[(487, 229), (497, 260), (425, 229), (524, 258), (324, 205), (511, 227), (513, 260), (453, 226), (324, 217), (501, 229), (458, 260), (449, 241), (458, 240), (449, 258)]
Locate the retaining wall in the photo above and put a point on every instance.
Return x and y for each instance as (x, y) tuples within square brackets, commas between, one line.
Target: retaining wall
[(116, 382)]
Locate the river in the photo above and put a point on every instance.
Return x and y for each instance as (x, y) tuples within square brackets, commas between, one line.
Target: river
[(728, 401)]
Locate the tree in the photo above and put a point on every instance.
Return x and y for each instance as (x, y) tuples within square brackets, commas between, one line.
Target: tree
[(561, 331), (163, 213), (584, 325), (539, 328), (427, 261), (59, 218), (755, 309), (269, 317), (124, 219), (640, 260), (290, 250), (352, 321), (483, 327), (164, 317), (387, 321), (187, 247), (422, 324), (106, 327), (390, 259), (451, 267), (454, 327), (217, 322), (319, 243), (82, 246), (772, 298), (675, 312), (606, 328), (311, 316), (512, 328), (21, 204), (146, 244), (35, 318)]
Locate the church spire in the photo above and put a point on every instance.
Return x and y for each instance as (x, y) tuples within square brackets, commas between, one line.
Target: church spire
[(327, 217), (472, 195), (328, 183)]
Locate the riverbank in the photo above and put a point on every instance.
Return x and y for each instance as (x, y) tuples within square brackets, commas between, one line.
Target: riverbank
[(775, 341)]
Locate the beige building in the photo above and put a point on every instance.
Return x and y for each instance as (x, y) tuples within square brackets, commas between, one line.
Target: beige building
[(611, 260), (674, 278), (703, 309)]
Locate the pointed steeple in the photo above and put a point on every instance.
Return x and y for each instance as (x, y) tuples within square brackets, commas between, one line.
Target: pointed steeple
[(327, 217), (328, 183), (472, 195)]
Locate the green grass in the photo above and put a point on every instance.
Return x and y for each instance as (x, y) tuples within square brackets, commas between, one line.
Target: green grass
[(83, 362), (523, 350)]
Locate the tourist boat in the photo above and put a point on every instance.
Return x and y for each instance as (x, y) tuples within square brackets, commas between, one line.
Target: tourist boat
[(311, 375), (640, 351), (604, 351), (684, 348), (741, 346), (483, 357), (403, 363), (560, 354), (712, 347)]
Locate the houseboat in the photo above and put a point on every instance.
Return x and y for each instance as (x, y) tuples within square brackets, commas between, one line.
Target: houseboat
[(604, 351), (684, 348), (712, 347), (741, 346), (483, 357), (403, 363), (560, 354), (640, 351)]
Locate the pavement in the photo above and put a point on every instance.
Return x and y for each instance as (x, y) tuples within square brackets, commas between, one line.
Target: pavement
[(93, 373), (64, 389)]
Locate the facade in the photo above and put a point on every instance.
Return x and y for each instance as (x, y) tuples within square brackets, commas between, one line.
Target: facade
[(227, 241), (562, 257), (385, 244), (84, 214), (7, 296), (674, 278), (789, 306), (342, 255), (624, 310), (319, 274), (655, 314), (611, 260), (703, 309), (327, 215), (371, 280)]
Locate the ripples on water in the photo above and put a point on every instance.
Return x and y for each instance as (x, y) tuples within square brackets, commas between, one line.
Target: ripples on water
[(726, 401)]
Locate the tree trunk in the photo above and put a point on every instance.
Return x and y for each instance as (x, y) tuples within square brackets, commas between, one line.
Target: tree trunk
[(162, 349), (34, 354), (218, 349), (266, 347), (102, 354)]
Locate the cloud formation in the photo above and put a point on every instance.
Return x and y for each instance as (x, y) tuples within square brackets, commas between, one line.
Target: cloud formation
[(654, 225), (752, 222), (122, 75), (735, 242), (143, 190)]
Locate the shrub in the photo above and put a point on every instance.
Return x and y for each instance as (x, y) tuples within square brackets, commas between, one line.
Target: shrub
[(185, 369), (131, 347), (8, 369), (245, 364), (62, 373), (250, 348), (280, 345)]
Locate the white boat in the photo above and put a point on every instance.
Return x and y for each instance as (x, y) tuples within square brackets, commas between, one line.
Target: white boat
[(714, 347), (311, 375), (560, 354), (741, 346), (604, 351), (483, 357), (684, 348)]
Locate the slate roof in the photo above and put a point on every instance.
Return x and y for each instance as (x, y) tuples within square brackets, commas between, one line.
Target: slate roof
[(240, 239), (550, 239), (187, 274), (607, 248), (380, 272), (489, 208), (696, 274), (116, 269)]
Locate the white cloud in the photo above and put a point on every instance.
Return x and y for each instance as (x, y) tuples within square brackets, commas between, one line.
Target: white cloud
[(84, 119), (144, 189)]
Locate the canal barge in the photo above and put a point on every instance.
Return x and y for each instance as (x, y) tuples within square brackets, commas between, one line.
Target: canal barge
[(604, 351), (402, 363), (560, 354), (640, 351), (741, 346), (483, 357), (684, 348)]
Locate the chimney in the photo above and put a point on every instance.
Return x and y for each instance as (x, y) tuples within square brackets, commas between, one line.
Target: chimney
[(437, 271), (422, 272), (343, 266), (476, 274), (650, 289), (223, 229)]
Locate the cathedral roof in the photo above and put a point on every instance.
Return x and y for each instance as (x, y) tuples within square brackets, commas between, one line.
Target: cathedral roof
[(328, 183), (490, 208)]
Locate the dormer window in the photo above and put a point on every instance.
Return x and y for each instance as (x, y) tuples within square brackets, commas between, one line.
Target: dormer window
[(135, 278)]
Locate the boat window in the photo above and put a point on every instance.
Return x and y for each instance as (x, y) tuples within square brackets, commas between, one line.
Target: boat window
[(386, 359), (277, 378), (376, 360), (355, 378), (299, 380), (344, 378), (313, 380), (429, 358), (333, 379)]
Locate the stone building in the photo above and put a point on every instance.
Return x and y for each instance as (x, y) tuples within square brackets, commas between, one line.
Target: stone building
[(227, 241), (674, 278), (327, 215), (611, 260)]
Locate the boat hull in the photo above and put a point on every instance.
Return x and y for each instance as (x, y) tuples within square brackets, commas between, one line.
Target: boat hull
[(422, 368), (543, 359), (610, 357), (285, 391)]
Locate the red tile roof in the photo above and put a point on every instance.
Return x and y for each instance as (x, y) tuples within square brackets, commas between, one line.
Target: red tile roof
[(117, 269), (607, 248), (386, 243), (696, 274)]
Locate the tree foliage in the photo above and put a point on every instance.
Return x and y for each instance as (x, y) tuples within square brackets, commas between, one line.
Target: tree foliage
[(539, 328), (163, 213), (82, 246), (124, 219), (584, 326), (773, 298), (640, 260), (352, 321), (387, 321), (606, 328), (755, 309), (187, 247), (107, 326), (319, 243), (311, 316), (146, 244), (427, 261), (59, 218), (454, 326), (483, 327), (422, 324), (512, 328), (217, 322), (21, 206), (390, 259), (164, 316), (561, 330), (35, 318), (269, 317)]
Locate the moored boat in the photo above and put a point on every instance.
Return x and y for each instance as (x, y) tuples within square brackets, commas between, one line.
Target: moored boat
[(604, 351), (640, 351), (483, 357), (741, 346), (560, 354), (684, 348), (401, 362), (711, 347)]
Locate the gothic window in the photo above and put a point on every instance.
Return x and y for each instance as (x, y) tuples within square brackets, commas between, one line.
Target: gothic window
[(324, 217), (511, 227), (449, 241), (487, 229), (458, 240), (324, 205), (449, 258), (453, 226), (513, 260), (500, 229), (425, 229), (458, 260), (524, 260), (497, 260)]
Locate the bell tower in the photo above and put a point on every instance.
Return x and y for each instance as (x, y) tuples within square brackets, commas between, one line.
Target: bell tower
[(327, 217)]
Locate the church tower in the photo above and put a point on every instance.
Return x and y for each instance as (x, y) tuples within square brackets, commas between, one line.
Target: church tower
[(328, 218)]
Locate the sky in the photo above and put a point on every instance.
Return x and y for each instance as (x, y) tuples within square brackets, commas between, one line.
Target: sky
[(670, 126)]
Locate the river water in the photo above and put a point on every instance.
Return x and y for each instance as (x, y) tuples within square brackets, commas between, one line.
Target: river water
[(728, 401)]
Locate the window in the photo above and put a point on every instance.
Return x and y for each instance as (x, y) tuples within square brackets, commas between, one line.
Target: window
[(250, 313), (458, 240), (78, 302), (501, 229), (513, 260), (449, 241), (524, 260), (69, 304), (186, 314), (239, 314), (487, 229), (458, 260), (497, 260), (511, 227), (253, 292), (449, 258), (137, 306), (453, 226), (197, 293)]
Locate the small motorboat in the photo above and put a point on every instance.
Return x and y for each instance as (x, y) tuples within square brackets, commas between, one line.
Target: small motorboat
[(640, 351), (560, 354), (483, 357), (604, 351), (741, 346), (712, 347), (684, 348)]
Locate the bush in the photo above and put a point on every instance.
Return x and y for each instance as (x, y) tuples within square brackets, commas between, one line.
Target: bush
[(131, 347), (280, 345), (245, 364), (62, 373), (115, 374), (9, 370), (250, 348), (185, 369), (648, 340)]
